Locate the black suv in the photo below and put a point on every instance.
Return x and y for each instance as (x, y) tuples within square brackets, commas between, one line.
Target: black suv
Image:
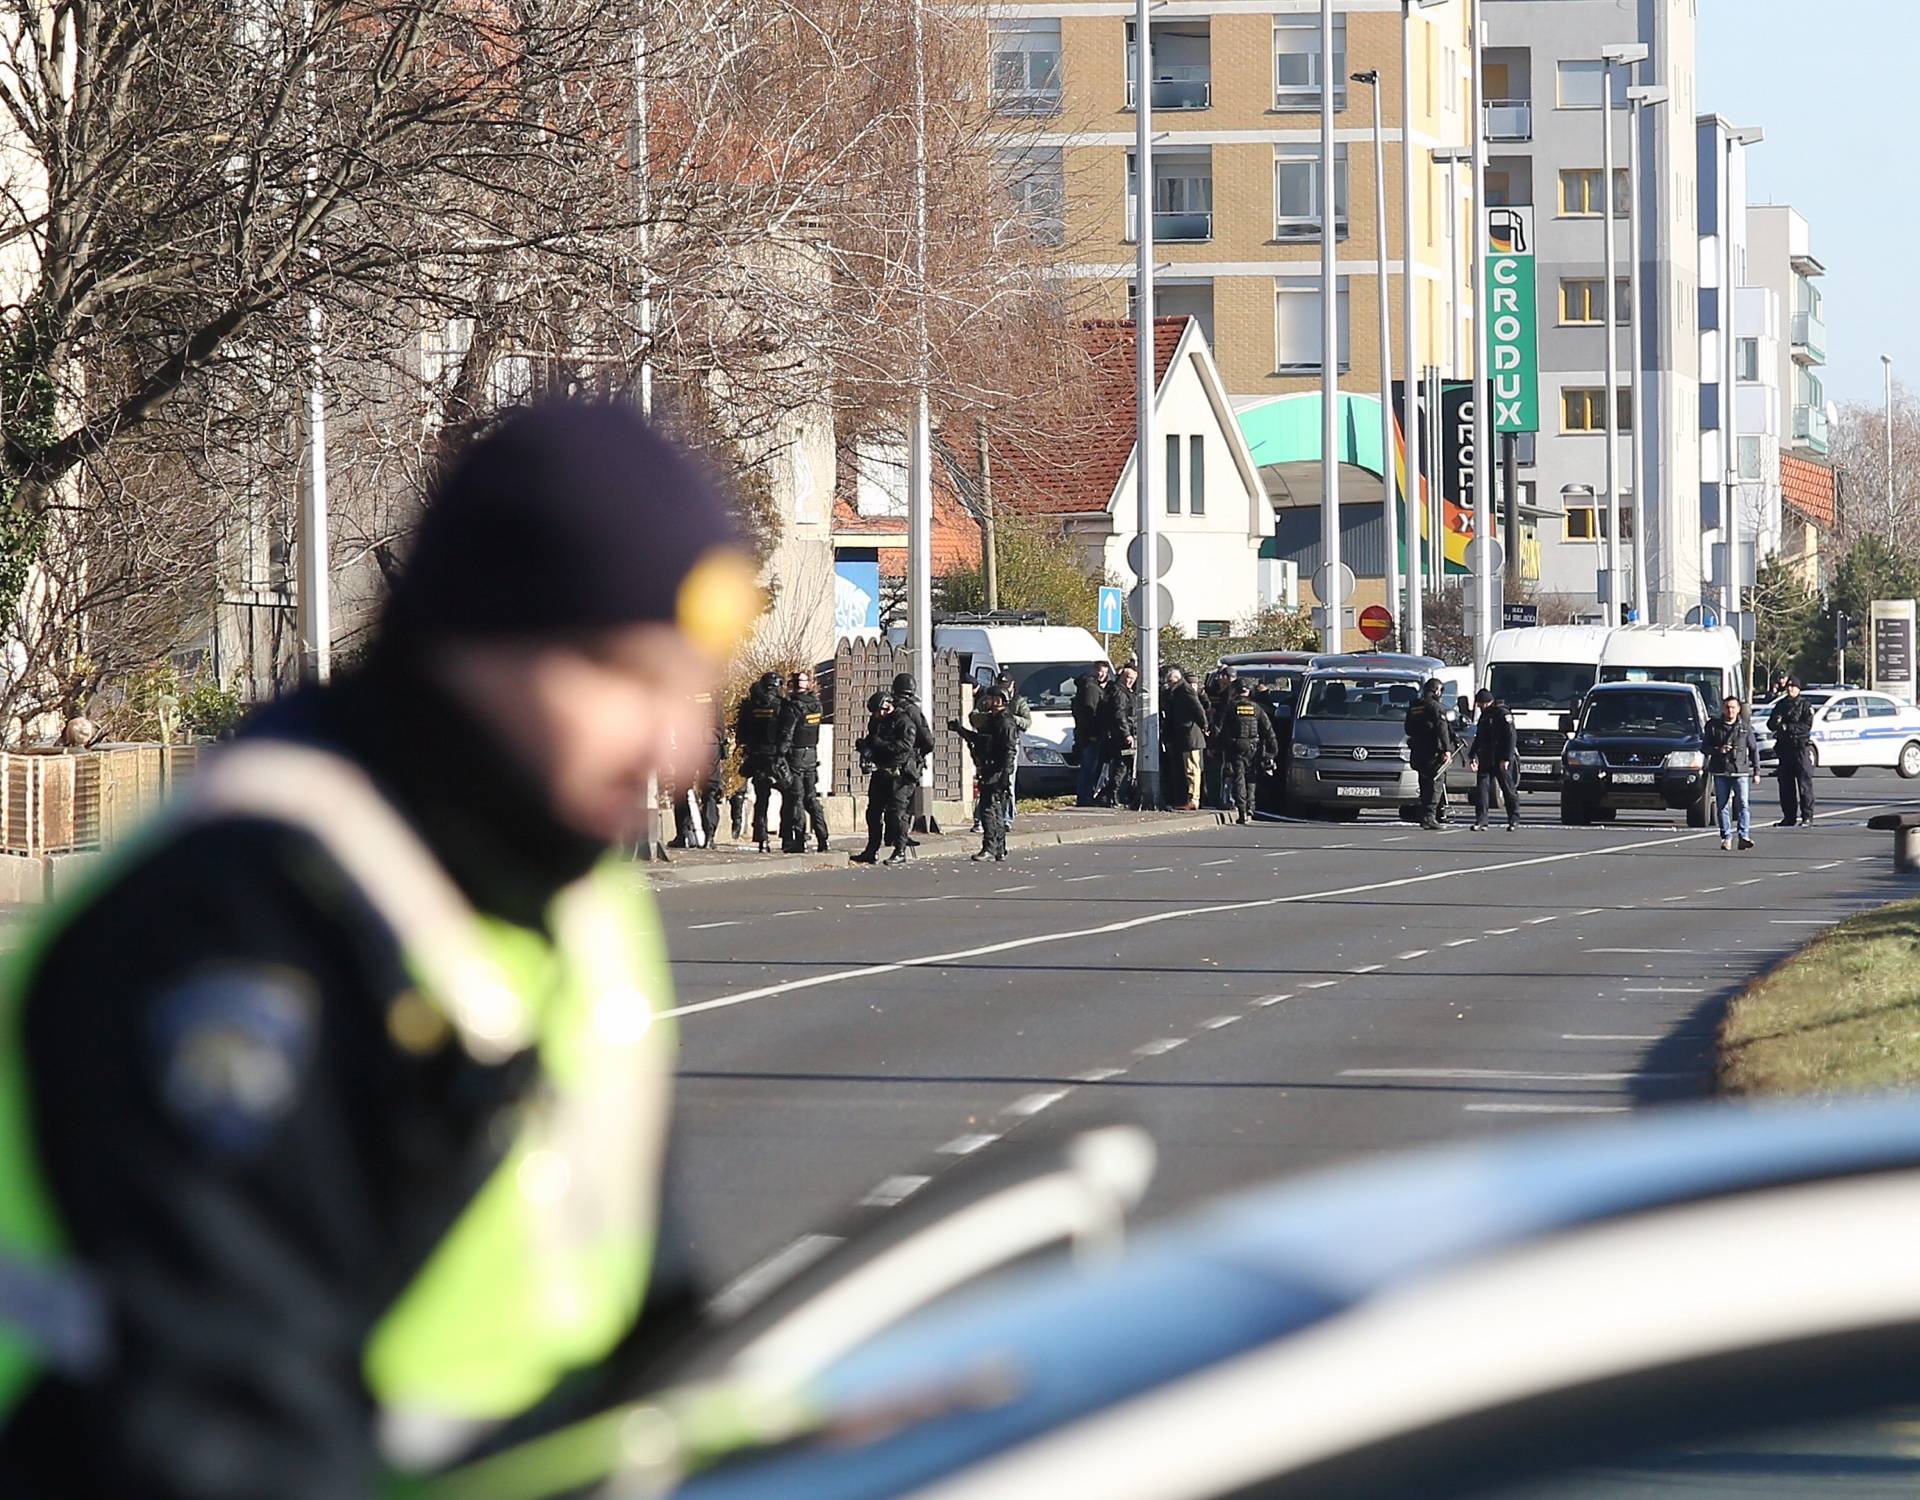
[(1637, 744)]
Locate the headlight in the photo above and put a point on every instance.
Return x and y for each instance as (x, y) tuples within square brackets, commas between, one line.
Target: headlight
[(1585, 758), (1040, 753), (1686, 760), (1305, 751)]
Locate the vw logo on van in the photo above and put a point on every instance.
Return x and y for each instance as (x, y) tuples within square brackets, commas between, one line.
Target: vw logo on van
[(1359, 752)]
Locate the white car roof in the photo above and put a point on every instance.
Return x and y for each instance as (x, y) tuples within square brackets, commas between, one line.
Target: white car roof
[(1562, 643), (1670, 646)]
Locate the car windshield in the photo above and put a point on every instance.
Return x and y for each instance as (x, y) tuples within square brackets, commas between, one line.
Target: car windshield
[(1667, 715), (1048, 686), (1382, 699), (1712, 681), (1540, 684)]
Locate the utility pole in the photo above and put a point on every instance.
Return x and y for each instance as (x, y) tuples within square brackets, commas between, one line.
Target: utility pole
[(920, 437), (315, 613), (1482, 416), (1642, 97), (989, 543), (1886, 365), (1147, 761), (1329, 346), (1390, 506), (1610, 594), (1416, 620)]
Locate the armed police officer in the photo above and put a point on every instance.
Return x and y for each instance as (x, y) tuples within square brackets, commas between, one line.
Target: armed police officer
[(995, 746), (1791, 723), (799, 750), (1430, 745), (1245, 743), (333, 1118), (890, 747), (756, 726)]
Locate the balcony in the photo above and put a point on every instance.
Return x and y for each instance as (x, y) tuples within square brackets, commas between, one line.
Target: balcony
[(1509, 119), (1181, 228), (1027, 103), (1179, 89), (1810, 427), (1809, 339)]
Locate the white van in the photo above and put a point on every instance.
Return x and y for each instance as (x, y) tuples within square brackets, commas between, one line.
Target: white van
[(1706, 656), (1542, 673), (1046, 663)]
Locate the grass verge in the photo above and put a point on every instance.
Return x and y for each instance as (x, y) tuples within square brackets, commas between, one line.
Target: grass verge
[(1839, 1016)]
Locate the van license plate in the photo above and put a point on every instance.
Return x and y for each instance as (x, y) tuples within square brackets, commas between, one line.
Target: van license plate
[(1356, 791), (1634, 778)]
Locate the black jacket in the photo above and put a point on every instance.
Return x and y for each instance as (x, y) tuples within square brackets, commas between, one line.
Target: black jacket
[(1246, 731), (1118, 722), (995, 744), (1184, 715), (890, 741), (798, 737), (1430, 739), (1791, 723), (756, 726), (246, 1273), (1494, 739), (1089, 696), (1731, 749), (922, 732)]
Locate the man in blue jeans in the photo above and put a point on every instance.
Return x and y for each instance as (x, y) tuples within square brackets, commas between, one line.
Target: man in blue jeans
[(1733, 760)]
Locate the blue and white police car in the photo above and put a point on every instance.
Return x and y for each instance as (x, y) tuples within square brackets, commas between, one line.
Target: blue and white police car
[(1852, 729)]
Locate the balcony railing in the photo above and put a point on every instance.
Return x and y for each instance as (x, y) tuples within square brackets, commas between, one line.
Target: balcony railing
[(1171, 228), (1178, 88), (1309, 229), (1027, 101), (1509, 119), (1810, 427), (1810, 338)]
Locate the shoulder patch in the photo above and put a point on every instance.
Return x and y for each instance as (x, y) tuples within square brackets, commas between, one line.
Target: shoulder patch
[(231, 1047)]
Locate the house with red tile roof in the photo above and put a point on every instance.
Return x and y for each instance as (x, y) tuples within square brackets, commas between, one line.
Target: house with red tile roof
[(870, 525), (1207, 492), (1809, 493)]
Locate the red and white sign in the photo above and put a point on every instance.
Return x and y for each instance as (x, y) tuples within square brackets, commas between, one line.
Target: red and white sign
[(1376, 623)]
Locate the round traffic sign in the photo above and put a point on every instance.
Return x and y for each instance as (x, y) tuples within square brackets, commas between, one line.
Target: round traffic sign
[(1376, 623), (1163, 603), (1332, 588), (1491, 549), (1162, 554)]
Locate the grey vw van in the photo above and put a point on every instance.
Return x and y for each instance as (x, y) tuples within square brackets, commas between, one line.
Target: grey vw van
[(1349, 746)]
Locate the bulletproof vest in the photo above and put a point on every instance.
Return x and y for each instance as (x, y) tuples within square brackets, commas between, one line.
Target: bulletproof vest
[(1243, 724), (806, 717), (760, 721)]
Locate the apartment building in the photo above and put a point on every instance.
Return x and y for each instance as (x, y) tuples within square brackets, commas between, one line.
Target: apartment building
[(1236, 95), (1543, 80), (1781, 259)]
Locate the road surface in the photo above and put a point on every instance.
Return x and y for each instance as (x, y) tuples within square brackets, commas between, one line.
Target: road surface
[(1264, 999)]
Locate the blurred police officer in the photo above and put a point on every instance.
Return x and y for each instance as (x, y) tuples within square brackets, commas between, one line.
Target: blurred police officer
[(335, 1113), (1244, 742), (799, 749), (756, 725)]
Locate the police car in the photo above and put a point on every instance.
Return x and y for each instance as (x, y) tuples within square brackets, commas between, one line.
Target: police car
[(1852, 729)]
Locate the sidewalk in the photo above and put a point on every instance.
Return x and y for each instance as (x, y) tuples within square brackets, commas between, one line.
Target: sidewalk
[(1033, 830)]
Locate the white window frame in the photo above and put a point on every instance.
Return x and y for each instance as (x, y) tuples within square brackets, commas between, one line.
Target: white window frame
[(1307, 226), (1029, 48), (1304, 28), (1305, 288), (1035, 178), (1588, 77)]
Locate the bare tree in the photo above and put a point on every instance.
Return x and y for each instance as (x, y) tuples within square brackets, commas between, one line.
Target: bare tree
[(1859, 452)]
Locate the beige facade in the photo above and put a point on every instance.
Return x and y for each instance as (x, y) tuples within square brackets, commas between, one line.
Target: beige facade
[(1236, 120)]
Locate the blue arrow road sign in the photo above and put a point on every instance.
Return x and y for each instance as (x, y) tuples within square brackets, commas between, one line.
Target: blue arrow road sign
[(1112, 611)]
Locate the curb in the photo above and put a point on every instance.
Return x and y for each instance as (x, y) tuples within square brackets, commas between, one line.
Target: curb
[(948, 847)]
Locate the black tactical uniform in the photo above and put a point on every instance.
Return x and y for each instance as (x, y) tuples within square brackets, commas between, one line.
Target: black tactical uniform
[(800, 718), (996, 747), (889, 747), (1430, 745), (1791, 722), (757, 727), (1244, 742)]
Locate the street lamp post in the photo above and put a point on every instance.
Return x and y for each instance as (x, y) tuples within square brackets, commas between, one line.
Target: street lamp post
[(1729, 425), (1390, 509), (1416, 616), (1482, 417), (1625, 54), (1147, 769), (1886, 364), (1329, 348), (1640, 97), (920, 438)]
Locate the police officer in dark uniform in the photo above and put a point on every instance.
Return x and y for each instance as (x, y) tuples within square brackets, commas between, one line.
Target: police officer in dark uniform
[(699, 770), (1791, 724), (1430, 745), (800, 720), (333, 1116), (888, 747), (1244, 743), (756, 726), (996, 747)]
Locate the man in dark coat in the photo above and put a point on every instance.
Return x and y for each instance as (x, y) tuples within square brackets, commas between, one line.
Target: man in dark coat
[(1733, 760), (756, 726), (1118, 727), (995, 746), (1219, 700), (800, 719), (1791, 724), (1430, 745), (1492, 759), (889, 747), (1244, 741), (1183, 717), (1088, 696)]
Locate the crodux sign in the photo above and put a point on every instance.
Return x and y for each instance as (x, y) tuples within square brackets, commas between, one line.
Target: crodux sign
[(1512, 331)]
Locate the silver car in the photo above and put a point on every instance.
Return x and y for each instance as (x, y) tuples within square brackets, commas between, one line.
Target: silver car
[(1349, 743)]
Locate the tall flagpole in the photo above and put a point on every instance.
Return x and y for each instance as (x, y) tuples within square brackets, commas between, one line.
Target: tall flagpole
[(920, 434), (1482, 417), (1416, 628), (1147, 759), (1329, 346)]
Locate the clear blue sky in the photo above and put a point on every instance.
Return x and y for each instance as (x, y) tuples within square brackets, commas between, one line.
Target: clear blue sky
[(1833, 83)]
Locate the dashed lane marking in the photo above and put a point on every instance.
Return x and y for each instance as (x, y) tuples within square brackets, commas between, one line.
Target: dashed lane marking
[(1411, 953), (1159, 1046), (1219, 1022), (1541, 921), (1319, 984), (966, 1145), (1008, 890), (709, 926), (1098, 1075), (893, 1190), (1210, 863), (1462, 942), (1591, 911), (1370, 969), (1156, 870), (1033, 1104), (1077, 879), (1266, 1000), (1500, 931)]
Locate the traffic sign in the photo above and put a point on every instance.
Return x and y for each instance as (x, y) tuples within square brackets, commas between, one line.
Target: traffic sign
[(1519, 616), (1112, 606), (1163, 597), (1376, 623), (1331, 588), (1162, 555), (1701, 614), (1489, 547)]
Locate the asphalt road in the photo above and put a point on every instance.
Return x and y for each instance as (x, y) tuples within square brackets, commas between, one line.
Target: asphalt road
[(1264, 999)]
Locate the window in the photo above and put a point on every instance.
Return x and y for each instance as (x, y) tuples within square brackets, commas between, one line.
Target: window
[(1296, 192), (1580, 85), (1580, 299), (1882, 708), (1036, 184), (1296, 62), (1026, 66), (1297, 319), (1586, 514), (1196, 476), (1580, 193), (1749, 457), (1582, 409), (1173, 475), (1746, 359), (1510, 182), (1214, 630), (1182, 195)]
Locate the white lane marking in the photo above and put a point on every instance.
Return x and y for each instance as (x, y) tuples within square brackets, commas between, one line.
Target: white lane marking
[(1176, 914), (709, 926), (1683, 896), (1219, 1022), (1802, 921), (798, 911), (1662, 989), (744, 1290), (1864, 859), (1319, 984), (1755, 881), (1640, 950), (893, 1190), (1496, 1075), (1411, 953), (1611, 1036), (1591, 911), (1008, 890), (1548, 1109), (1098, 1075), (1832, 864), (1278, 854), (1033, 1104), (1159, 1046), (1785, 874), (1155, 870), (1541, 921), (1710, 890), (1398, 838), (1500, 931), (1370, 969), (1077, 879), (1462, 942), (1266, 1000), (866, 905), (1210, 863), (966, 1145)]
